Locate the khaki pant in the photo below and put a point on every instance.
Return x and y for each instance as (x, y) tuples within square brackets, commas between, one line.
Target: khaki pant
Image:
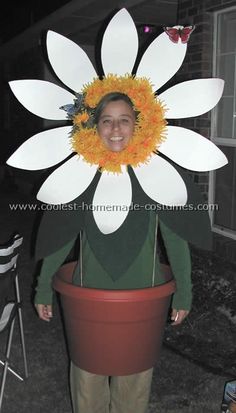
[(92, 393)]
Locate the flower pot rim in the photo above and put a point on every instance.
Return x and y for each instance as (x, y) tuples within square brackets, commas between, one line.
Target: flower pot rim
[(62, 284)]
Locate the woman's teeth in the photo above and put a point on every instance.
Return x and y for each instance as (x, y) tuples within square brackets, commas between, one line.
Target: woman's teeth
[(116, 138)]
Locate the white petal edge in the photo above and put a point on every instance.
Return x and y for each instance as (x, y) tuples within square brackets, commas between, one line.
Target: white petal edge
[(191, 150), (192, 98), (111, 201), (161, 182), (161, 60), (42, 98), (69, 61), (67, 182), (42, 150), (119, 45)]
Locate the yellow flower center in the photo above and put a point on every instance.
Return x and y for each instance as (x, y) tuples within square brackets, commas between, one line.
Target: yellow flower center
[(149, 129)]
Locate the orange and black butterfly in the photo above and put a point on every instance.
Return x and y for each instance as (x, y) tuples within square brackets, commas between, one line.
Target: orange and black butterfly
[(179, 33)]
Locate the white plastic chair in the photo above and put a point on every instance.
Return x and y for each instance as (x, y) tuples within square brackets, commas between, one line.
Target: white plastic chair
[(10, 307)]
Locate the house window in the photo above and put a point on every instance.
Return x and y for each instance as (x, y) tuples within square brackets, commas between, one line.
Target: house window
[(223, 181)]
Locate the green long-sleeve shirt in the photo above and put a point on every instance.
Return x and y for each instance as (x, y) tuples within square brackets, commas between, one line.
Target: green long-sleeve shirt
[(138, 275)]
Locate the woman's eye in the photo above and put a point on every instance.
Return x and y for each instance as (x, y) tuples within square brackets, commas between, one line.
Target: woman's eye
[(125, 121), (107, 121)]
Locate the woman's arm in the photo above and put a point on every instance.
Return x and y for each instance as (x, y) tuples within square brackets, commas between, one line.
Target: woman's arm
[(179, 258), (44, 292)]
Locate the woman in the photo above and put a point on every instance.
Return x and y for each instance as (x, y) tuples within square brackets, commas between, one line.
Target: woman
[(115, 119)]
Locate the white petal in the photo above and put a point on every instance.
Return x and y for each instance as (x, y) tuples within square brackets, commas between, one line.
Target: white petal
[(119, 44), (42, 150), (70, 63), (42, 98), (191, 150), (192, 98), (161, 182), (67, 182), (161, 60), (111, 201)]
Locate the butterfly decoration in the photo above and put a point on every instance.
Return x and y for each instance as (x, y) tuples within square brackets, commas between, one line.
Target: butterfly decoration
[(69, 109), (73, 108), (179, 33)]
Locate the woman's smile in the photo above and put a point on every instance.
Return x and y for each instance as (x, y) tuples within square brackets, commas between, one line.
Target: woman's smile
[(116, 138)]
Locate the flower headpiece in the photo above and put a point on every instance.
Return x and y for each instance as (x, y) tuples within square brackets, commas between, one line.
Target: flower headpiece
[(158, 178), (149, 129)]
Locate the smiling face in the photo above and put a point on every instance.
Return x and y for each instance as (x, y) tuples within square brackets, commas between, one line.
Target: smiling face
[(116, 125)]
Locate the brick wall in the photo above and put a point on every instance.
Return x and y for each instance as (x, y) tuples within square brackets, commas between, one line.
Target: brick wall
[(198, 61), (198, 64)]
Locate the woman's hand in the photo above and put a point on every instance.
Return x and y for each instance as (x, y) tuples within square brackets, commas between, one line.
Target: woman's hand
[(177, 316), (44, 311)]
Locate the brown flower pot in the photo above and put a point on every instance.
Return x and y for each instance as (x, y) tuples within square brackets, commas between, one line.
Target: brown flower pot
[(113, 332)]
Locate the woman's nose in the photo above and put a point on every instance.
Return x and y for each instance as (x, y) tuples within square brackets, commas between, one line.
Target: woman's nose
[(116, 124)]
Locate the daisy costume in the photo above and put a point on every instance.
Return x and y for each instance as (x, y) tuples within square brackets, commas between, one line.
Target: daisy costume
[(118, 201)]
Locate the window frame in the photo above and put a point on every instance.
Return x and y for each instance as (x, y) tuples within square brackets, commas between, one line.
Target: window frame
[(229, 142)]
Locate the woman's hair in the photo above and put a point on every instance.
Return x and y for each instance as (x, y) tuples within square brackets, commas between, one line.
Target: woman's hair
[(111, 97)]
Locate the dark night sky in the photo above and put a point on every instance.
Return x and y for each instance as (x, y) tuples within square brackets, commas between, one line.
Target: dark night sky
[(19, 15)]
